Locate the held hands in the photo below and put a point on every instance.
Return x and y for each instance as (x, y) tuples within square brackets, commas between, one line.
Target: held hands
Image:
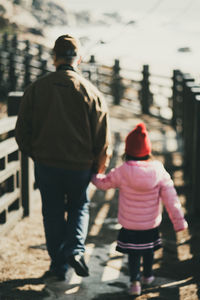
[(99, 169), (103, 162), (102, 169)]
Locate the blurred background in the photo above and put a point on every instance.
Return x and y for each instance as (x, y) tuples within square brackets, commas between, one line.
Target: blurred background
[(161, 33)]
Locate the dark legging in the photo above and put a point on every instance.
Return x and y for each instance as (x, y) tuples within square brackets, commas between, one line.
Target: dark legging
[(134, 261)]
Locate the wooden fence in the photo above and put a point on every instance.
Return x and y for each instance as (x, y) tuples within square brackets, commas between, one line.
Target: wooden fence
[(20, 64), (175, 100), (186, 101), (10, 196), (145, 92), (16, 175)]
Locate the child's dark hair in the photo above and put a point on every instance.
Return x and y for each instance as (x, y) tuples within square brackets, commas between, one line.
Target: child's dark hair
[(127, 157)]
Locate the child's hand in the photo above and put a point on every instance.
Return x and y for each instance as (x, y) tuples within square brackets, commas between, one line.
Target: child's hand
[(181, 227)]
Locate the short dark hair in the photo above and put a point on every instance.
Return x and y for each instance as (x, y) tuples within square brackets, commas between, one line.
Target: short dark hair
[(66, 47)]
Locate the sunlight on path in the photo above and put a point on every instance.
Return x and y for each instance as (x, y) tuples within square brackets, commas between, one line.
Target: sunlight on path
[(114, 264), (95, 229)]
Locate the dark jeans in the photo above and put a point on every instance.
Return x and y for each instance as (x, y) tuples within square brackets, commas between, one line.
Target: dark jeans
[(63, 191), (134, 261)]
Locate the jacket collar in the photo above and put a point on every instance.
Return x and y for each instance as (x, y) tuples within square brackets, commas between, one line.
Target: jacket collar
[(65, 67), (138, 162)]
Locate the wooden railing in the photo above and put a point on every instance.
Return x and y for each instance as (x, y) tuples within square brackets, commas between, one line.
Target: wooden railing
[(16, 175), (141, 90), (11, 208)]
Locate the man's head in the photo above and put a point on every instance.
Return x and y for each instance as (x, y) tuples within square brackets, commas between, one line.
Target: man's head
[(66, 50)]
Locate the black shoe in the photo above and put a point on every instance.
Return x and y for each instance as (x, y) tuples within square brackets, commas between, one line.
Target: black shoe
[(59, 275), (78, 263)]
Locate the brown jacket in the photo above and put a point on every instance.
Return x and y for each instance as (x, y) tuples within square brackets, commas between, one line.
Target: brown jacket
[(63, 122)]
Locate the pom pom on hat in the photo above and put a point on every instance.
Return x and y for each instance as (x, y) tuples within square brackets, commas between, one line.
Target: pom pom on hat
[(137, 142)]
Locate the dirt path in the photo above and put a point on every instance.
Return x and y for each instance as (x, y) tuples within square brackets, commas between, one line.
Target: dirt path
[(23, 257)]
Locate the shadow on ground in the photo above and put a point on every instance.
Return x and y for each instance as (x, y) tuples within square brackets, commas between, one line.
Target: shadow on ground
[(23, 289)]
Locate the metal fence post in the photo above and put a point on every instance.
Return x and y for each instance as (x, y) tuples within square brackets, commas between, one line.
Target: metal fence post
[(13, 104)]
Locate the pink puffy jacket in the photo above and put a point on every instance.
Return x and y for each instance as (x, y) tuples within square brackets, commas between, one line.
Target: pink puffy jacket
[(143, 186)]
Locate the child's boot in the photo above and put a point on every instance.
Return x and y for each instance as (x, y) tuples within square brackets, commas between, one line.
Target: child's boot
[(135, 288), (147, 280)]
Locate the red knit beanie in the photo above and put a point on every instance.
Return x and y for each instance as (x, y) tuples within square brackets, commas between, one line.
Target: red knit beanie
[(137, 142)]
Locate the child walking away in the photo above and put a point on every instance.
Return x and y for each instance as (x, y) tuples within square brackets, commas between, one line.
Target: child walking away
[(143, 185)]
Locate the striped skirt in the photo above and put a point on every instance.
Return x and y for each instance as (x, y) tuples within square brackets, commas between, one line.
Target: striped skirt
[(138, 240)]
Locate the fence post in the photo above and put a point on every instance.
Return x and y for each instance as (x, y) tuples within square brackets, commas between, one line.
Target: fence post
[(13, 103), (2, 88), (92, 59), (191, 91), (5, 42), (14, 43), (12, 73), (12, 64), (43, 62), (43, 67), (196, 158), (27, 60), (40, 52), (92, 71), (145, 98), (186, 103), (176, 96), (116, 85)]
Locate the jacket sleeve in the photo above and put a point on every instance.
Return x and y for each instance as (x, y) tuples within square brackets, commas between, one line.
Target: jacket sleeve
[(172, 202), (101, 135), (107, 181), (23, 129)]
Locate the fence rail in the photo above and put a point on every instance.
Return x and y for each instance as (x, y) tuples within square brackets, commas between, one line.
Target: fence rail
[(175, 100), (11, 208), (145, 92)]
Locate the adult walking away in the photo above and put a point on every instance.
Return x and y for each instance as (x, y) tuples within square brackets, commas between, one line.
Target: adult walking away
[(63, 126)]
